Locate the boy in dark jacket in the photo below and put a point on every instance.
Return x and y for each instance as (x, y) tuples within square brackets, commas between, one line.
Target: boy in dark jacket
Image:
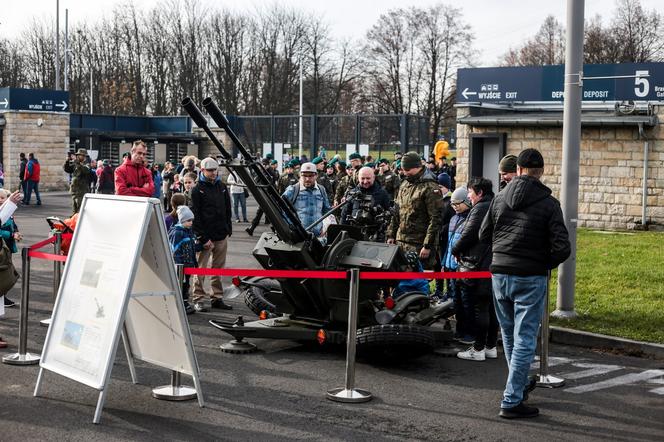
[(475, 255), (184, 246), (529, 238)]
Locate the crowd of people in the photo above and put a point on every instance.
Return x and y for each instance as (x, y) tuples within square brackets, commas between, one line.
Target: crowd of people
[(517, 234)]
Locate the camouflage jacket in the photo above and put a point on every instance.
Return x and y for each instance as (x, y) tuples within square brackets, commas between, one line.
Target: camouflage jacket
[(390, 182), (342, 186), (419, 203), (80, 177)]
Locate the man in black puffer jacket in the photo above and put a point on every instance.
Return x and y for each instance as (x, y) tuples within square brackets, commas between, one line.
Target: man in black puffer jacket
[(525, 225), (211, 205), (474, 255)]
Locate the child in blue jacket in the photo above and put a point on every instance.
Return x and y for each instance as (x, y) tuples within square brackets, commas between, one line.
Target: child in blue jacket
[(184, 247), (412, 285)]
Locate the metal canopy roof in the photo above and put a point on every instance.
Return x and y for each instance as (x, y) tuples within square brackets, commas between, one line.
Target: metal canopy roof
[(556, 119)]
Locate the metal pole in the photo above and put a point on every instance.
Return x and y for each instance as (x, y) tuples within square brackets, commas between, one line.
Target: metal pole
[(301, 112), (66, 49), (545, 379), (349, 393), (272, 134), (57, 45), (175, 391), (644, 201), (569, 187), (22, 357), (57, 267)]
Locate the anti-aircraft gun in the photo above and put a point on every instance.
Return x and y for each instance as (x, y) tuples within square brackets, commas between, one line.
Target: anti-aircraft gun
[(315, 309)]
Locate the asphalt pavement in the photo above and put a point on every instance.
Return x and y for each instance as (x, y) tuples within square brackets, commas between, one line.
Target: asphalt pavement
[(278, 392)]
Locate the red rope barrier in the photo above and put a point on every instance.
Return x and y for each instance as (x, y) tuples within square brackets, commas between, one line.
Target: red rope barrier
[(314, 274), (47, 256), (43, 243)]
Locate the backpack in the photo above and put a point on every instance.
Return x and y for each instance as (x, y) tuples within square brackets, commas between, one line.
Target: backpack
[(8, 273)]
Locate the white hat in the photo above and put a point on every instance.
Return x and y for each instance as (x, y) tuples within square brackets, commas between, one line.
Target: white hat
[(209, 164), (308, 167)]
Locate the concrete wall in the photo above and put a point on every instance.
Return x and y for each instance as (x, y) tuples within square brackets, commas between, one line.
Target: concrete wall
[(49, 142), (610, 170)]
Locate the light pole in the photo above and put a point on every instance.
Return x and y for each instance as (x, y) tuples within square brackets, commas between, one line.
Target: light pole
[(66, 49), (57, 45), (301, 108)]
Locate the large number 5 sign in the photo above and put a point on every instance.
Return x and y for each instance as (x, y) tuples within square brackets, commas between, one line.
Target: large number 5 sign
[(642, 85)]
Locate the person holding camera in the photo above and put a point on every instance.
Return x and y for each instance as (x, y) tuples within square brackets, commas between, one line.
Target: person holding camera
[(77, 166), (368, 200)]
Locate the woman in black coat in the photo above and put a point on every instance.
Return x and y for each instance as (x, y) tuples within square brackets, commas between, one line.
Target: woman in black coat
[(475, 255)]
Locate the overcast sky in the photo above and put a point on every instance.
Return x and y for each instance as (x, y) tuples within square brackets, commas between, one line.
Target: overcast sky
[(497, 24)]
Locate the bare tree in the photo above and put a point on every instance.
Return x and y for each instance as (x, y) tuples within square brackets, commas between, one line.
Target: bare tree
[(639, 34), (545, 48)]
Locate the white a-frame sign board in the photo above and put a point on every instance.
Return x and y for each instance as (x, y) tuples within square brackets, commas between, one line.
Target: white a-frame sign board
[(119, 280)]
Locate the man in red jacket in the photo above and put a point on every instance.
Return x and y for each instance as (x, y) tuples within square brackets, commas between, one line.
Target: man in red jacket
[(132, 177), (31, 178)]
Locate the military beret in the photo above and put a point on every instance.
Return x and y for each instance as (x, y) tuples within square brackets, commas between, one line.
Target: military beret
[(269, 156), (333, 161), (274, 162), (355, 156), (342, 163), (383, 161), (372, 165), (317, 160)]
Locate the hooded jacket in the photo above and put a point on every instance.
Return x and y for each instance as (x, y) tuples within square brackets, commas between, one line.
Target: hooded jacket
[(474, 254), (525, 225)]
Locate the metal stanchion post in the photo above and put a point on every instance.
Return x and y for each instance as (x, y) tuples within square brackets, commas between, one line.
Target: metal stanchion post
[(175, 391), (544, 379), (349, 393), (22, 357), (57, 273)]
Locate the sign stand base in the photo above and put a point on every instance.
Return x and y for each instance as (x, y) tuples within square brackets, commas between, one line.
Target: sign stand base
[(175, 391), (21, 359), (349, 396)]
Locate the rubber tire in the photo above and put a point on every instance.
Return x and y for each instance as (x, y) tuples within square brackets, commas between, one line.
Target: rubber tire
[(254, 299), (391, 342)]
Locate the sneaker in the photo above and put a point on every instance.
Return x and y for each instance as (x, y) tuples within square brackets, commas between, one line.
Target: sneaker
[(220, 304), (9, 302), (472, 355), (200, 307), (245, 220), (520, 411), (249, 231), (237, 220), (491, 353)]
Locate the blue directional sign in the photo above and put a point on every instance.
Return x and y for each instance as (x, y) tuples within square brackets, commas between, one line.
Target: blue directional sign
[(34, 100), (639, 82)]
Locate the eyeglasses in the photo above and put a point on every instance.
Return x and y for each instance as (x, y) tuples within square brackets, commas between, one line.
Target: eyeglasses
[(456, 204)]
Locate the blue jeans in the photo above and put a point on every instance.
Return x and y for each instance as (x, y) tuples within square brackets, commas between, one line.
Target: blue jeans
[(239, 198), (29, 187), (519, 305)]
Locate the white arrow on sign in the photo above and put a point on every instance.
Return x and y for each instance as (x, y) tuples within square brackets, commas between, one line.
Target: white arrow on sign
[(5, 103), (63, 105), (466, 92)]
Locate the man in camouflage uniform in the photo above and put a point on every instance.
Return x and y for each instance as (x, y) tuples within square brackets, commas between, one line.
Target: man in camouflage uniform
[(419, 204), (80, 178), (322, 178), (288, 178), (388, 180)]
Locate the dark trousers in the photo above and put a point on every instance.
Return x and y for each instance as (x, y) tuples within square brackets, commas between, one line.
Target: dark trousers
[(478, 302), (31, 186), (257, 219)]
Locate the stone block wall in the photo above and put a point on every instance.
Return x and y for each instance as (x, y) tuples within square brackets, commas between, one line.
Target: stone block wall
[(610, 169), (49, 142)]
